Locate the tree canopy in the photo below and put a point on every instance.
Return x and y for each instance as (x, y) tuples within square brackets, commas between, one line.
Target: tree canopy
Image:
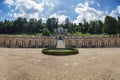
[(21, 25)]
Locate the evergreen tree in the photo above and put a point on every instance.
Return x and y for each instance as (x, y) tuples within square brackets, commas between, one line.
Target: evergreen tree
[(110, 25)]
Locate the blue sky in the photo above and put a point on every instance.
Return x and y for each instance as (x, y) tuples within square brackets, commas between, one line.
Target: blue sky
[(75, 10)]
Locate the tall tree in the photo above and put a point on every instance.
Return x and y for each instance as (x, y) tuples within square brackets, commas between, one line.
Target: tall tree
[(32, 26), (67, 23), (19, 25), (1, 25), (110, 25), (80, 27), (39, 25), (85, 26), (51, 24), (100, 24), (118, 27), (91, 28), (6, 27), (76, 28)]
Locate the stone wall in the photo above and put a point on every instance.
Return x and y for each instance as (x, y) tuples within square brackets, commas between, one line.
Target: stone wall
[(70, 41), (27, 42), (89, 42)]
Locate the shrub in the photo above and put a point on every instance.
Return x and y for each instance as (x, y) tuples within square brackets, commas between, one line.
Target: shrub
[(59, 51), (46, 32)]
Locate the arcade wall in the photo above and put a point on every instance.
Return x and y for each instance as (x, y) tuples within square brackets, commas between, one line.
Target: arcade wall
[(51, 41), (27, 42), (92, 42)]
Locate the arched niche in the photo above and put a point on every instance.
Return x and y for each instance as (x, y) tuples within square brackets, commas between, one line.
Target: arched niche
[(90, 43), (29, 43), (36, 43), (23, 43), (96, 43), (102, 43)]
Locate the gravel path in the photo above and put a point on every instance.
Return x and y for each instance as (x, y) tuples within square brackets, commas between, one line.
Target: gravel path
[(31, 64)]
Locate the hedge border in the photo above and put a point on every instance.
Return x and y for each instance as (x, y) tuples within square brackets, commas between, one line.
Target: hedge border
[(58, 53)]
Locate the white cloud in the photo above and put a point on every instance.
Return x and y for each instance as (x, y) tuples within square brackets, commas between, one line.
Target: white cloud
[(28, 8), (92, 2), (115, 12), (44, 20), (118, 8), (62, 11), (49, 3), (61, 18), (9, 2), (88, 13)]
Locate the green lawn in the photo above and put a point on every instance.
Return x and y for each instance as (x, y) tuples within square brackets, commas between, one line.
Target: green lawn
[(54, 50), (87, 34), (68, 34)]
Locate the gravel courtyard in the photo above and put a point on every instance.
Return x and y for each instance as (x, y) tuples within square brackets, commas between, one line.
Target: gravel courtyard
[(31, 64)]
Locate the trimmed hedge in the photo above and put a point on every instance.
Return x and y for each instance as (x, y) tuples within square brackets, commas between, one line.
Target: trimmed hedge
[(59, 51)]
